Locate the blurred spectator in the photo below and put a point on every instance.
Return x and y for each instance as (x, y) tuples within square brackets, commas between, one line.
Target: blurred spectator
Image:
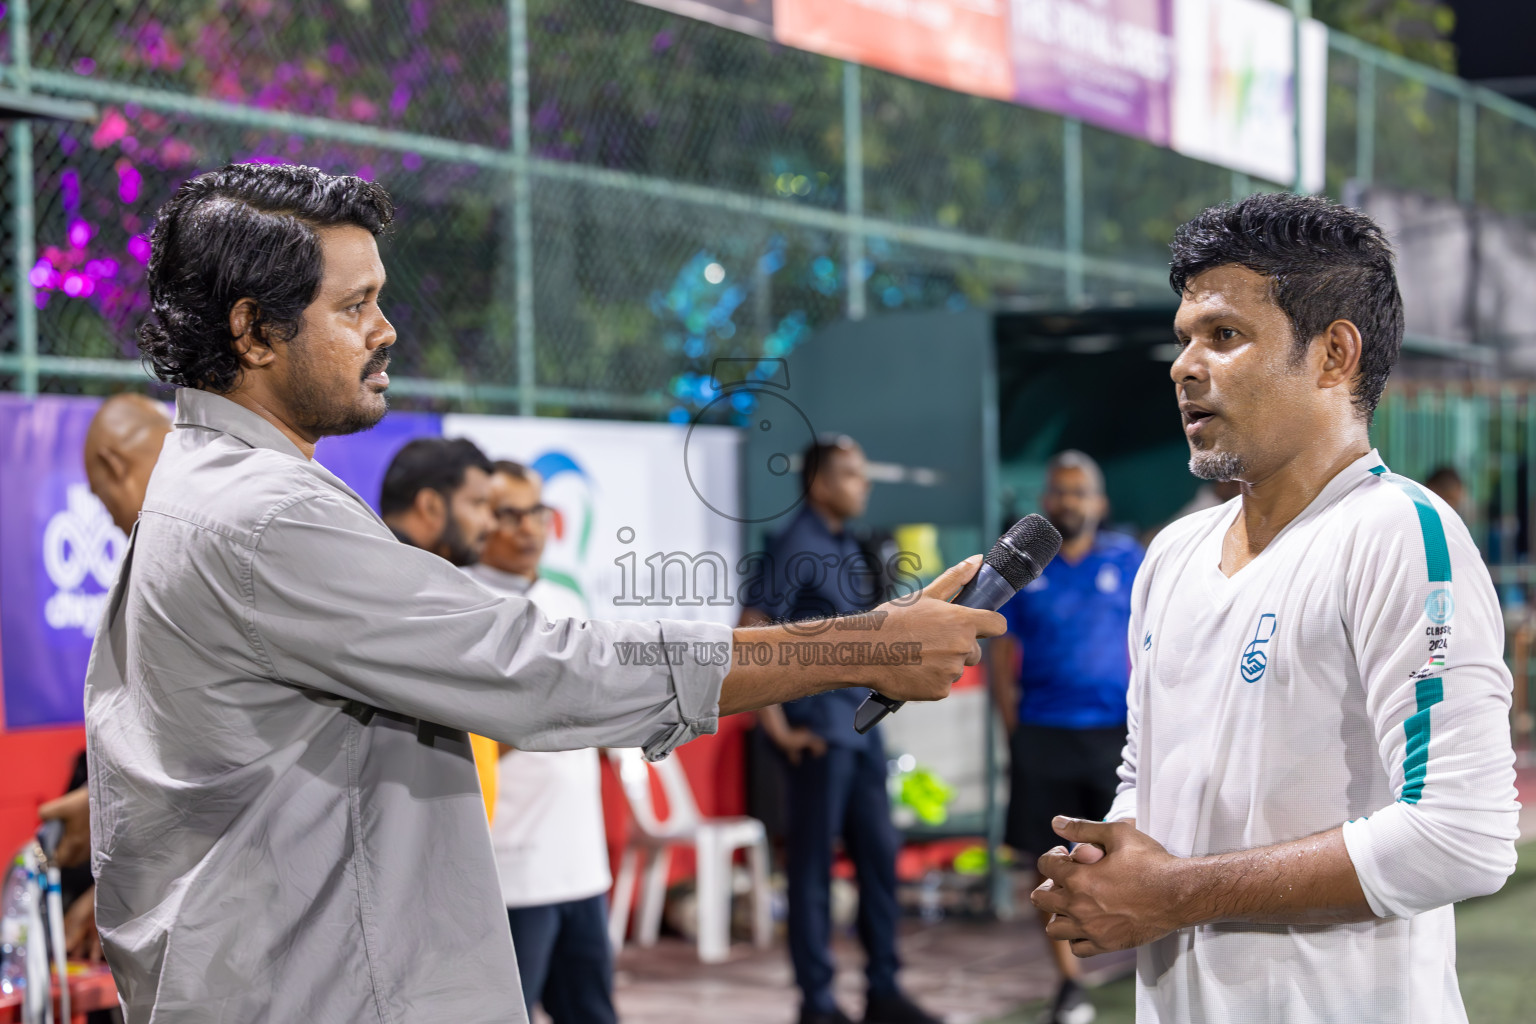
[(1446, 482), (837, 785), (437, 497), (1064, 704), (122, 444), (547, 831)]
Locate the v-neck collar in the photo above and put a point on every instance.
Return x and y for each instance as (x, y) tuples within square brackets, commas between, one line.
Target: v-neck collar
[(1343, 481)]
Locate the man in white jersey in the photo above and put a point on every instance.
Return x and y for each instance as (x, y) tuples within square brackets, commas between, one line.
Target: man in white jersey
[(1319, 760), (547, 832)]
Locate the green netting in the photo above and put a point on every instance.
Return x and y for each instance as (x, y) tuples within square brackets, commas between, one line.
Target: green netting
[(912, 277), (1135, 195), (625, 86), (7, 251), (690, 190), (98, 187), (1416, 135), (942, 159), (433, 66), (1506, 164), (1341, 149), (639, 295)]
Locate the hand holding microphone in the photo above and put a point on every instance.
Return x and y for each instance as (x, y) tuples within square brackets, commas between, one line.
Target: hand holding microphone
[(1018, 557)]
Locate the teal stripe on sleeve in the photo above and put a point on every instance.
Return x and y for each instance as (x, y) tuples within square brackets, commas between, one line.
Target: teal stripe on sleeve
[(1436, 554), (1428, 693)]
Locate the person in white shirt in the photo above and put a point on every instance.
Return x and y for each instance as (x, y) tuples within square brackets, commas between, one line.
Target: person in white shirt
[(1319, 761), (547, 829)]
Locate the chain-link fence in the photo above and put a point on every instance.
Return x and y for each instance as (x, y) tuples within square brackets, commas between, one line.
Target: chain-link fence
[(598, 198)]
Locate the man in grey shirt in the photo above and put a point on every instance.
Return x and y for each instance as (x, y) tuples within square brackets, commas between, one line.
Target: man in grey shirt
[(286, 820)]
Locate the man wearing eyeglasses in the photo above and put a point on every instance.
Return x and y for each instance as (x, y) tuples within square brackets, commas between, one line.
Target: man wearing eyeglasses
[(547, 829)]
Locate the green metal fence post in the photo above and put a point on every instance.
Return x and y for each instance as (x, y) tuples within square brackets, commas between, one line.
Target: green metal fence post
[(24, 213), (522, 208), (853, 191), (1301, 10), (1365, 123), (1072, 206), (1466, 149)]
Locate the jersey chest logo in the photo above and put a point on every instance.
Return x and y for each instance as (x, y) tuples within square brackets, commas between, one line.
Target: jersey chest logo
[(1256, 654)]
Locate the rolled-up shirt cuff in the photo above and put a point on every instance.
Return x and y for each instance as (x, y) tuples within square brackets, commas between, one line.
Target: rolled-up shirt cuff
[(696, 681)]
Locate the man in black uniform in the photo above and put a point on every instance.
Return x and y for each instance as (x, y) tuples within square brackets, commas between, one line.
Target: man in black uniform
[(815, 568)]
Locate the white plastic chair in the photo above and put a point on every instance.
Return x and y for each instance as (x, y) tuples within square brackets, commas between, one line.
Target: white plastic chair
[(648, 856)]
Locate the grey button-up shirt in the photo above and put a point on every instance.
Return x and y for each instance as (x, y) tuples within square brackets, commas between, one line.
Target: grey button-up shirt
[(286, 820)]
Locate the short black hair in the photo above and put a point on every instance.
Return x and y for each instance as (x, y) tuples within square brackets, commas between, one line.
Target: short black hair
[(243, 231), (1325, 262), (818, 454), (1444, 476), (428, 463), (515, 470)]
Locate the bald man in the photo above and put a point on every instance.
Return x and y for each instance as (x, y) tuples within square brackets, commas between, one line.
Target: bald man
[(121, 447)]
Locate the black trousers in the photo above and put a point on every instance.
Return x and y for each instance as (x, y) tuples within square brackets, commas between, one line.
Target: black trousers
[(565, 960), (841, 794), (1059, 771)]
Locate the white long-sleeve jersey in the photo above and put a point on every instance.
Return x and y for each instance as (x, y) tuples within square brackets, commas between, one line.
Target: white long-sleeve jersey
[(1351, 674)]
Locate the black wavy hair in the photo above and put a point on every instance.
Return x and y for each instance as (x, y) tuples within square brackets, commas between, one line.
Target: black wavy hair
[(1325, 262), (429, 463), (243, 231)]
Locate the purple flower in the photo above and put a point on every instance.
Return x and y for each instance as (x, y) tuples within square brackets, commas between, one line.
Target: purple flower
[(399, 100), (79, 234), (69, 189), (661, 42), (128, 182), (138, 248), (84, 66), (411, 161)]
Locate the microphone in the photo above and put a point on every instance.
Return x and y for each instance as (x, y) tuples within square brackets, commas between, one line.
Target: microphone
[(1018, 557)]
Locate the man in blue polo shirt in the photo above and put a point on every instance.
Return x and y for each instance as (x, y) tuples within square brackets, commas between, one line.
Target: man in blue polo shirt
[(836, 777), (1060, 676)]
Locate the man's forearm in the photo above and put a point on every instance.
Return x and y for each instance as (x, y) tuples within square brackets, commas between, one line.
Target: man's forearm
[(755, 682), (1305, 881)]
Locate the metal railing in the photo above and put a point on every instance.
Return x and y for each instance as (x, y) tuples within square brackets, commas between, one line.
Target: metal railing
[(576, 290)]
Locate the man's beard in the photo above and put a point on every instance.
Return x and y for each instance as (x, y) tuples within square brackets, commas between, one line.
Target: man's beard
[(456, 546), (316, 411), (1070, 527), (1211, 465)]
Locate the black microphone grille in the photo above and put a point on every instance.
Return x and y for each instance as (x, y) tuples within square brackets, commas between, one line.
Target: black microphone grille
[(1025, 550)]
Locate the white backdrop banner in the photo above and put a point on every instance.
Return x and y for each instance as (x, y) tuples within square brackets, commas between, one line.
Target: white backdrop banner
[(630, 531), (1234, 91)]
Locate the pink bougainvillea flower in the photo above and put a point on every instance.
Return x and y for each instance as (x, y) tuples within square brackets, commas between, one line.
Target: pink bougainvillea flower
[(112, 127)]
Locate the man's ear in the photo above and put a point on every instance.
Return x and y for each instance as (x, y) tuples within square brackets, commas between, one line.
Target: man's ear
[(249, 340), (114, 463), (430, 506), (1341, 349)]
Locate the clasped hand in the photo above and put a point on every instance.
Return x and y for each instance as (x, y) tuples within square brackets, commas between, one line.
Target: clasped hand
[(1118, 889)]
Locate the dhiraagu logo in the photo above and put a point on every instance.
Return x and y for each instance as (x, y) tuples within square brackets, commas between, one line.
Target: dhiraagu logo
[(568, 491), (80, 544), (1256, 654)]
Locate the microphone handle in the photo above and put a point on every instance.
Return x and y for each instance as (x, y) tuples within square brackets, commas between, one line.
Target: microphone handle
[(988, 590)]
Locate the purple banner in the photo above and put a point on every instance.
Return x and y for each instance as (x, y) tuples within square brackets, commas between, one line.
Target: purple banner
[(59, 553), (1107, 62), (361, 459)]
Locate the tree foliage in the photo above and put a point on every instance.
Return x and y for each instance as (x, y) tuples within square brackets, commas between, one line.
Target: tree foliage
[(1417, 29)]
